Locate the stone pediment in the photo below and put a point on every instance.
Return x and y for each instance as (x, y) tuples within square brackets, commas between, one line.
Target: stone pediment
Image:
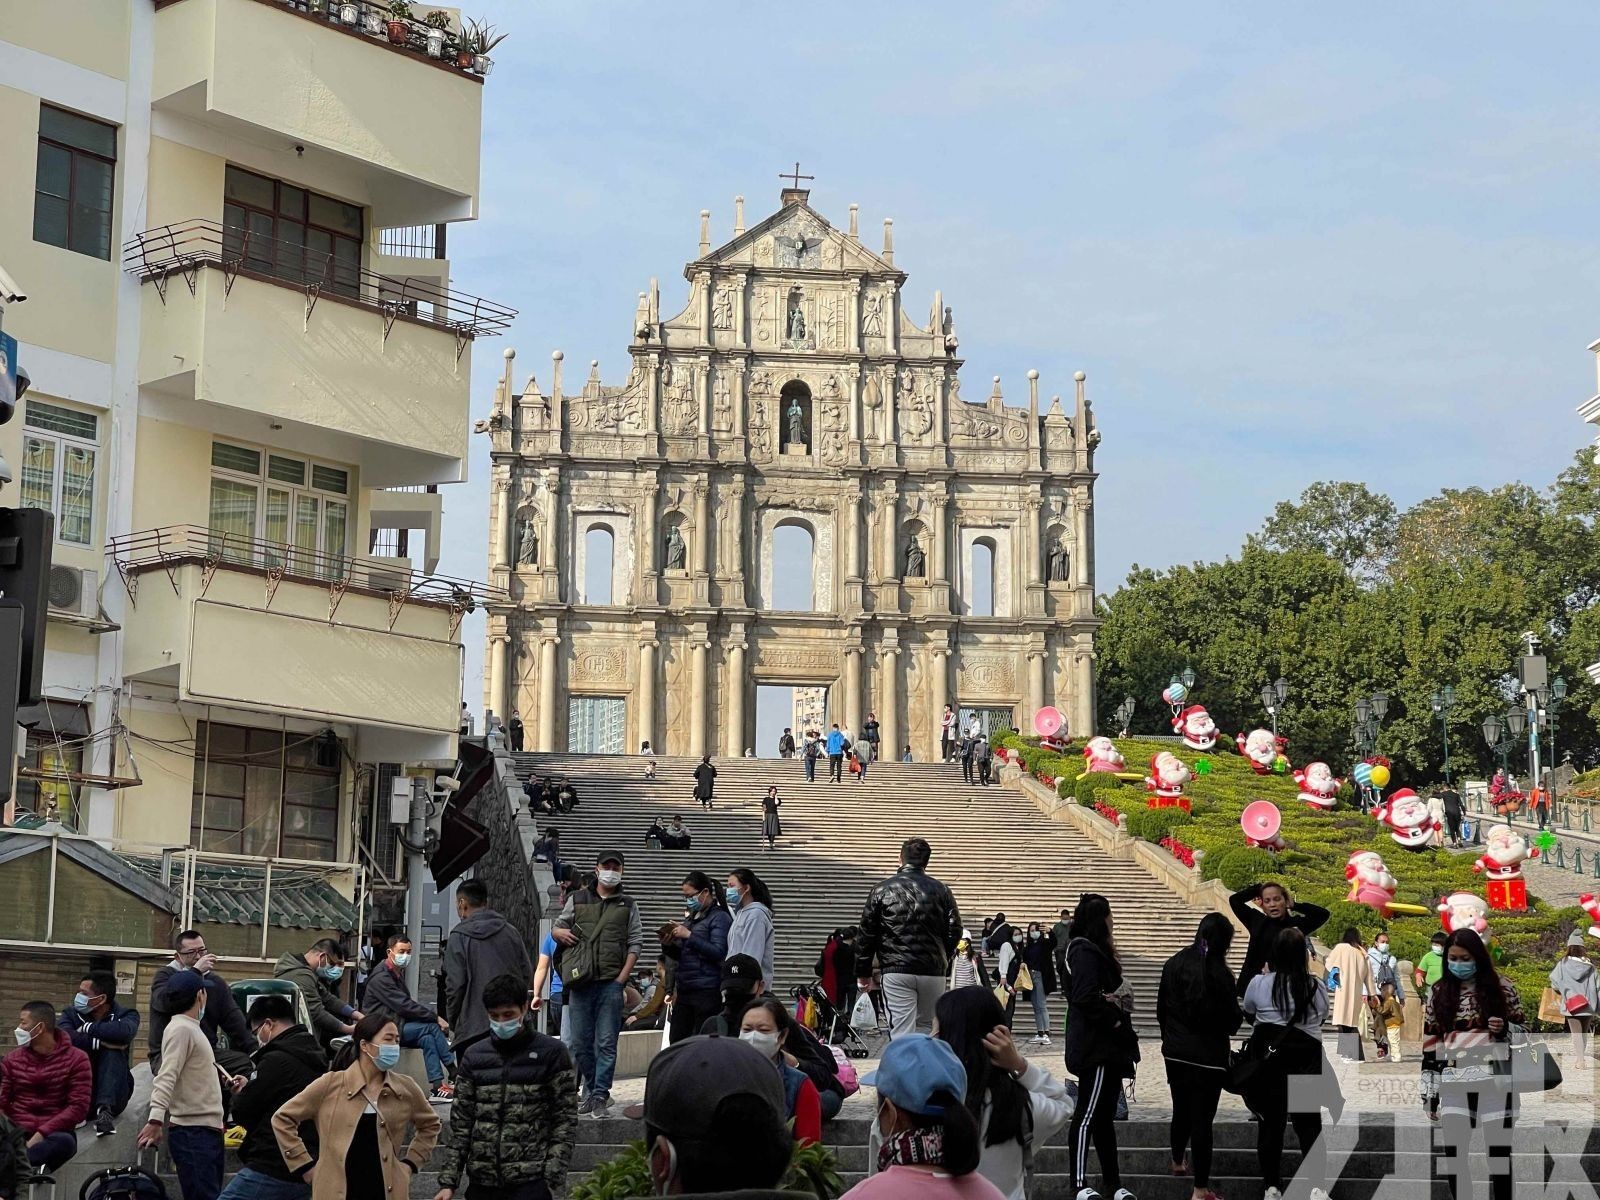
[(989, 422), (797, 238)]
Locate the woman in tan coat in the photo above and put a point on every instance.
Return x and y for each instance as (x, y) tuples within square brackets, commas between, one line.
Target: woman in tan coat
[(361, 1112), (1350, 980)]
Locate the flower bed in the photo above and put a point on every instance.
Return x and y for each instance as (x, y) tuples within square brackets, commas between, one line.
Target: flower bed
[(1178, 850)]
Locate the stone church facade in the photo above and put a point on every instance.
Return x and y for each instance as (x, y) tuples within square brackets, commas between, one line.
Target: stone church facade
[(951, 542)]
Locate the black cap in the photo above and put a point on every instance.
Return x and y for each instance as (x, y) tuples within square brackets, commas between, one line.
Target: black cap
[(685, 1074), (606, 856), (740, 968)]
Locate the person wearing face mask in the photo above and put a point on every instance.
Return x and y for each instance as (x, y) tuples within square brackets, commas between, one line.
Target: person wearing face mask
[(601, 935), (185, 1097), (928, 1143), (317, 973), (420, 1027), (515, 1116), (714, 1124), (45, 1086), (1266, 910), (1386, 980), (482, 946), (767, 1027), (104, 1030), (1009, 967), (1039, 955), (1466, 1023), (699, 943), (289, 1061), (750, 901), (361, 1110)]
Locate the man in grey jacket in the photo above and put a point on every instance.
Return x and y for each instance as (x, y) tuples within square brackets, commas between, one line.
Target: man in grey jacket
[(420, 1027), (481, 946)]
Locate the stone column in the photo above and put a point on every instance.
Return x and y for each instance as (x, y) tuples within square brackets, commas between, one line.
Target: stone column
[(891, 529), (645, 719), (702, 384), (851, 706), (504, 550), (704, 282), (734, 739), (702, 526), (547, 692), (1081, 515), (941, 697), (741, 325), (738, 398), (854, 344), (1036, 660), (550, 552), (696, 707), (889, 703), (852, 537), (1032, 545), (499, 670), (647, 541), (888, 432), (1083, 698), (941, 521)]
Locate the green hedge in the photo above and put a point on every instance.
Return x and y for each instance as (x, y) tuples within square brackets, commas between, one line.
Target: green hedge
[(1318, 845)]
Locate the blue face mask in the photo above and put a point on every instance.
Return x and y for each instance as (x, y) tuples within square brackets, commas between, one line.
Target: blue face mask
[(691, 904), (505, 1030), (388, 1057), (1463, 970), (81, 1002), (733, 897), (331, 974)]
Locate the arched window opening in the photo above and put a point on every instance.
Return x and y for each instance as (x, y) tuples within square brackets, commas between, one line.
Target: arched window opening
[(980, 579), (793, 568), (599, 548)]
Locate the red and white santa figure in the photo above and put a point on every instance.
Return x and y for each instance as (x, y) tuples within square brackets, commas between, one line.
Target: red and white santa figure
[(1410, 823), (1463, 910), (1165, 783), (1504, 852), (1100, 754), (1319, 786), (1370, 881), (1195, 726), (1591, 905), (1261, 748)]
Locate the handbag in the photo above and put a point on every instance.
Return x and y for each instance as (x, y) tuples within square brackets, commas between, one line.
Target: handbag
[(1550, 1007), (1577, 1006), (1246, 1063), (1531, 1067)]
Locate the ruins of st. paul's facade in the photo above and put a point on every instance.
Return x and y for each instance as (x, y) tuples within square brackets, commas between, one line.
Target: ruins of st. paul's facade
[(789, 489)]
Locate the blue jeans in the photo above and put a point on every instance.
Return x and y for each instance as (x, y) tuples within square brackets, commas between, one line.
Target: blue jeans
[(430, 1039), (251, 1184), (197, 1154), (54, 1151), (593, 1016), (113, 1083), (811, 770)]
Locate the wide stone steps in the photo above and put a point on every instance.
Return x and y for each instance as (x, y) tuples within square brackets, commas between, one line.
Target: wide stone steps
[(994, 849)]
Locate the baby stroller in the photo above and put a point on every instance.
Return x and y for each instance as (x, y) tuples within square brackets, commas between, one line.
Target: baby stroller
[(831, 1026)]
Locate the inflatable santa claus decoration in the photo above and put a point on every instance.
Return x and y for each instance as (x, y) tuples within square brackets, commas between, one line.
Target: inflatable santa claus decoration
[(1463, 910), (1101, 755), (1591, 906), (1504, 852), (1262, 749), (1319, 786), (1195, 726), (1165, 783), (1370, 881), (1410, 824)]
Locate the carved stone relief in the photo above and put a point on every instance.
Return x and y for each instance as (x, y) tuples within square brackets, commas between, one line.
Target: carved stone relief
[(916, 406), (760, 430), (973, 421), (679, 410), (872, 314), (599, 664), (722, 308), (797, 662), (988, 676), (762, 255), (721, 404)]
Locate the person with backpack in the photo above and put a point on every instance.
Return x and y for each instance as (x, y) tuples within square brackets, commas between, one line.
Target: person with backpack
[(837, 745), (601, 935), (786, 743), (289, 1061), (104, 1030), (1101, 1046), (810, 753), (186, 1097), (1019, 1105), (865, 753), (483, 945), (1198, 1012), (515, 1116)]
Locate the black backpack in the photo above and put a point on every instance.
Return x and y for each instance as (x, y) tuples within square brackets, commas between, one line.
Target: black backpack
[(123, 1183)]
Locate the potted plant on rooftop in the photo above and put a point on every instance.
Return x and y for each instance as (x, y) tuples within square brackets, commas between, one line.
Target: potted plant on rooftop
[(400, 21), (317, 8), (483, 38), (438, 23), (349, 13)]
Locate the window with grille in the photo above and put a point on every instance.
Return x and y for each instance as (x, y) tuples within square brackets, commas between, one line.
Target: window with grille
[(60, 447), (74, 182)]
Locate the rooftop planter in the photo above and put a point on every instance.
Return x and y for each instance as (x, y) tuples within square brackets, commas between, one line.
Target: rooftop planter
[(430, 34)]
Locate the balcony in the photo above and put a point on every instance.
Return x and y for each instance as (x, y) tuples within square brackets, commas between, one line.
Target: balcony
[(340, 361), (405, 123), (410, 509), (256, 625)]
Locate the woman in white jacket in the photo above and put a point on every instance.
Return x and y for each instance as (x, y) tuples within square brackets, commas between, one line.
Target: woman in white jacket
[(1019, 1105)]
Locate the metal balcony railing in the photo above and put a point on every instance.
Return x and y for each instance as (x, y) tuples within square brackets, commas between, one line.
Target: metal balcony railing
[(172, 546), (181, 249)]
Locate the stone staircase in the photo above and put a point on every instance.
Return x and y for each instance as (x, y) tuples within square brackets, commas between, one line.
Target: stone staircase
[(994, 849)]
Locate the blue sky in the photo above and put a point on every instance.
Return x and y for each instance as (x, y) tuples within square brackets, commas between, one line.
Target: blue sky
[(1284, 248)]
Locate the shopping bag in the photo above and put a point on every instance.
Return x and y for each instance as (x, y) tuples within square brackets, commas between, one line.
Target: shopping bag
[(1024, 979), (1550, 1007), (863, 1015)]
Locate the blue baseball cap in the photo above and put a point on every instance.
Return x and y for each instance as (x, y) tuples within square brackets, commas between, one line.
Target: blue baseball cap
[(913, 1070)]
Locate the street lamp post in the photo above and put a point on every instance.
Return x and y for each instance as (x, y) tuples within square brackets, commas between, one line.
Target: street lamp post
[(1494, 729), (1187, 676), (1370, 712), (1558, 694), (1273, 696), (1124, 714), (1517, 723), (1443, 702)]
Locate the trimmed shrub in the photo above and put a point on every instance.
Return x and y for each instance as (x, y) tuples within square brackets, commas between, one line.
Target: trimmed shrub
[(1088, 785), (1240, 868)]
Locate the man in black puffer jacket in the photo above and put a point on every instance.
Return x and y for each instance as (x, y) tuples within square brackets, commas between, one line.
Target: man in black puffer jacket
[(289, 1060), (910, 927)]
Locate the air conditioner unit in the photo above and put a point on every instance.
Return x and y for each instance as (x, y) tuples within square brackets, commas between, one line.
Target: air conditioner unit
[(75, 590)]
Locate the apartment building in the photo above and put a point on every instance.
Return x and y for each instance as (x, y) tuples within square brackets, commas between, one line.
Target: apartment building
[(250, 374)]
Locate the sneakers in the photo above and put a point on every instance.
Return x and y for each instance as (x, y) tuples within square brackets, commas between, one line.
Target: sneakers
[(1124, 1194), (104, 1123), (585, 1105), (600, 1108), (1318, 1194), (442, 1092), (1087, 1193), (1272, 1194)]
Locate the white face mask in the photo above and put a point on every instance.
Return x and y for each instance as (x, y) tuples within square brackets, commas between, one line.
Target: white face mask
[(609, 878), (22, 1035), (401, 960), (760, 1040)]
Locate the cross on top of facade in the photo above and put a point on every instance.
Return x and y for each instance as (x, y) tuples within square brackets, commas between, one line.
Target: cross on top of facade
[(794, 176)]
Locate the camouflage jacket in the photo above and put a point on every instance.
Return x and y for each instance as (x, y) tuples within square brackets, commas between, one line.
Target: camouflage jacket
[(515, 1113)]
